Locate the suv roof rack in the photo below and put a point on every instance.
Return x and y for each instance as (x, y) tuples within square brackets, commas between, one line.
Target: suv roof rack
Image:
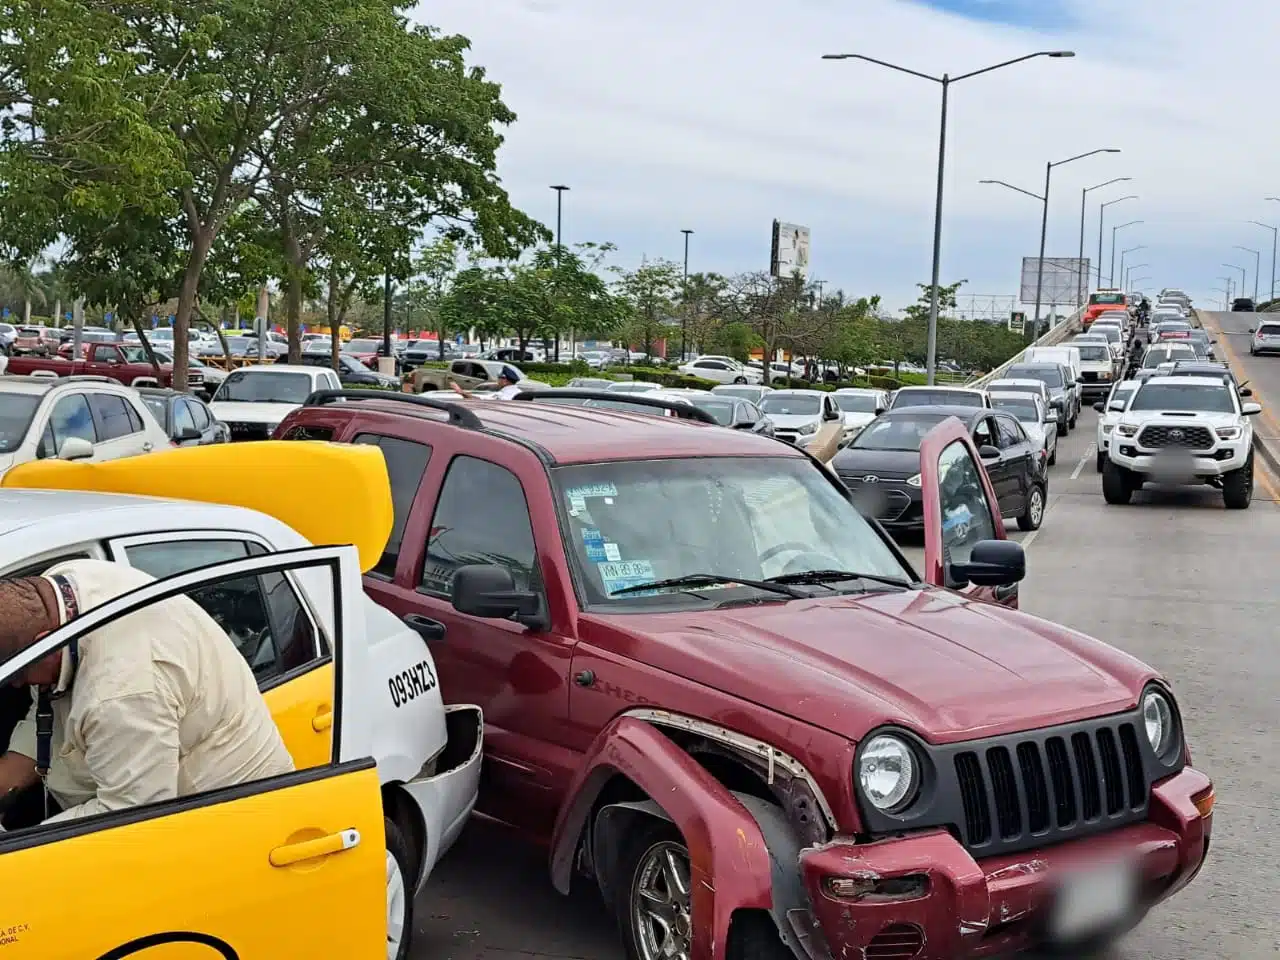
[(459, 416), (686, 410)]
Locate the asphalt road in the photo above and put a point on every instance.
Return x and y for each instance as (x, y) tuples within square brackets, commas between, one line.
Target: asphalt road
[(1172, 578)]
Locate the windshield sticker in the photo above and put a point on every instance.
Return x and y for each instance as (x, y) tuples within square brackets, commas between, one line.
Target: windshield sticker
[(593, 540), (628, 573), (612, 553), (592, 490)]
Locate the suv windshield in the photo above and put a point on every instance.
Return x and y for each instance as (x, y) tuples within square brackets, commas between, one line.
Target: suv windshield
[(16, 411), (250, 386), (1094, 352), (634, 522), (936, 398), (1023, 409), (855, 402), (1161, 394), (897, 433), (1049, 376), (790, 404)]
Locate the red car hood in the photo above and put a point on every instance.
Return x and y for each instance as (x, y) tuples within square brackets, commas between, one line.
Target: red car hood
[(947, 667)]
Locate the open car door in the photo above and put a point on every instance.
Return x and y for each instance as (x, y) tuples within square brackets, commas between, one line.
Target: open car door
[(288, 866), (961, 512)]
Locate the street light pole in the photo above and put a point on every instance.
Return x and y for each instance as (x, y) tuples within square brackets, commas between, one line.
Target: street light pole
[(1275, 235), (1244, 274), (1257, 268), (1111, 273), (1131, 267), (1084, 194), (1102, 216), (684, 321), (560, 188), (1123, 255), (945, 82)]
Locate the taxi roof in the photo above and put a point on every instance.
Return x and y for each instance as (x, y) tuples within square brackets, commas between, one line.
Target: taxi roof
[(21, 507)]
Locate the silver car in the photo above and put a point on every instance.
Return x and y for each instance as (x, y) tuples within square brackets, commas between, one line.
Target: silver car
[(1033, 414)]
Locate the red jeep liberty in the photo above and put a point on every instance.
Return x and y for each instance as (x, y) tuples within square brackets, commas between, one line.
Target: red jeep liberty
[(716, 690)]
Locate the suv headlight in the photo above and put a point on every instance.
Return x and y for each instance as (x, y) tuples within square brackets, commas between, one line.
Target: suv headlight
[(1160, 725), (1230, 433), (888, 773), (1127, 429)]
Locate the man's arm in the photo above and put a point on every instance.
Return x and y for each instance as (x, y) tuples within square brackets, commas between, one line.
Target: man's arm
[(131, 750), (16, 773)]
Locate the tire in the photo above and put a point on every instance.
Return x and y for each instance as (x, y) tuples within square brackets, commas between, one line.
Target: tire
[(1237, 487), (1033, 514), (752, 936), (1053, 456), (1101, 460), (739, 379), (1116, 485), (399, 892)]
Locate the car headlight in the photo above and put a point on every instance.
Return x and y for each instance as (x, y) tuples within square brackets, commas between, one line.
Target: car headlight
[(888, 773), (1230, 433), (808, 428), (1106, 428), (1127, 430), (914, 481), (1160, 726)]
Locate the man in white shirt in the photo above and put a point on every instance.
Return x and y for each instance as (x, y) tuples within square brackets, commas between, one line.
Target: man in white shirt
[(155, 705), (508, 385)]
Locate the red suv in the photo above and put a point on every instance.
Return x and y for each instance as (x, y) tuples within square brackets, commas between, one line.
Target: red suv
[(716, 690)]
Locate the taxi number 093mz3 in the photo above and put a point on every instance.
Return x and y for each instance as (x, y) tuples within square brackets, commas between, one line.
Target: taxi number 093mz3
[(412, 683)]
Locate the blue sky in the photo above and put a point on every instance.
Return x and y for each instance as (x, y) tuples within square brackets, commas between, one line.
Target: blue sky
[(719, 116)]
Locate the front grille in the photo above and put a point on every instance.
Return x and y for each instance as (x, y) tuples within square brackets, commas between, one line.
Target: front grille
[(898, 941), (1024, 788), (1181, 438), (884, 503), (249, 431)]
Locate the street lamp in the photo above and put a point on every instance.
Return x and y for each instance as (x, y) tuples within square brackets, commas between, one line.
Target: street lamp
[(684, 321), (1257, 267), (1102, 215), (560, 189), (1244, 274), (945, 82), (1138, 280), (1228, 281), (1125, 253), (1132, 266), (1084, 280), (1275, 235), (1111, 273)]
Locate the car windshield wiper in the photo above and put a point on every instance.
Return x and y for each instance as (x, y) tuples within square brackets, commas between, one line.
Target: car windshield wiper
[(834, 576), (709, 580)]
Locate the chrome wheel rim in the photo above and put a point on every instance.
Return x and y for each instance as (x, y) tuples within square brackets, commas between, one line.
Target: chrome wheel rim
[(661, 903), (396, 901), (1037, 506)]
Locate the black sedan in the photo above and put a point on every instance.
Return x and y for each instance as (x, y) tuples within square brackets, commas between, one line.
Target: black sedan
[(187, 421), (351, 372), (882, 465)]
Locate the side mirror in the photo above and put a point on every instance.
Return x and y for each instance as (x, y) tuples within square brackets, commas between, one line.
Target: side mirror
[(78, 448), (1251, 409), (1100, 406), (1246, 391), (831, 415), (1051, 416), (746, 425), (488, 590), (188, 433), (1253, 329), (988, 452), (992, 563), (1116, 405), (880, 410)]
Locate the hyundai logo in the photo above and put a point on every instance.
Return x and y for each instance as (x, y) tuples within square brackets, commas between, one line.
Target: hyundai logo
[(1176, 435), (870, 479)]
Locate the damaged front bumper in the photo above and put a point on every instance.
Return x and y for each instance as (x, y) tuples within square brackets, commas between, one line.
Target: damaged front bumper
[(923, 896)]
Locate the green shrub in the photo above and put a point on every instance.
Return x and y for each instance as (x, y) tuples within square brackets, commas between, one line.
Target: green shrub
[(665, 378)]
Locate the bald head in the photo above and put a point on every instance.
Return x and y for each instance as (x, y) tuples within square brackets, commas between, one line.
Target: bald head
[(28, 610)]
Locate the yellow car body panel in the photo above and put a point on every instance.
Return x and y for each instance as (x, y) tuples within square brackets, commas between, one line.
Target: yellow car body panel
[(302, 708), (195, 880), (330, 493)]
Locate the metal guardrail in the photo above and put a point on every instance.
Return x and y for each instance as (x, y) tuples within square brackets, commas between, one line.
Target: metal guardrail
[(1054, 336)]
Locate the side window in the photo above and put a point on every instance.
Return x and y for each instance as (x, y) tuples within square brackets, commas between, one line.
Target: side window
[(199, 414), (182, 419), (753, 413), (262, 615), (304, 432), (71, 418), (110, 416), (982, 433), (1008, 433), (105, 354), (461, 534), (406, 463), (966, 514), (135, 418)]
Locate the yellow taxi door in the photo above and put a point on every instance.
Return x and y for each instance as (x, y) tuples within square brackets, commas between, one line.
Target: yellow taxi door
[(290, 866)]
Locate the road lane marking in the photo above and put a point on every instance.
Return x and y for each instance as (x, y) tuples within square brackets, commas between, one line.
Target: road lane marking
[(1089, 454), (1264, 476)]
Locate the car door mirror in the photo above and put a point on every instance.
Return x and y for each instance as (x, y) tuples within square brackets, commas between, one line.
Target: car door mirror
[(1251, 409), (1246, 391), (988, 452), (1116, 405), (488, 590), (830, 414), (992, 563), (75, 448), (1051, 416), (1100, 407), (1253, 329)]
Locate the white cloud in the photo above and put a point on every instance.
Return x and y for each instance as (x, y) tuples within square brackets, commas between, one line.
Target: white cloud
[(720, 116)]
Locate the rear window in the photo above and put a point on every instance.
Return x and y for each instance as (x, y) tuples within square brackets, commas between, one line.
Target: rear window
[(1049, 376), (1095, 298), (1269, 329), (1089, 351), (936, 398), (1023, 409)]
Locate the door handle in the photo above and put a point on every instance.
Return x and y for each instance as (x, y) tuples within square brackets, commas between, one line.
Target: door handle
[(323, 720), (425, 627), (148, 447), (291, 853)]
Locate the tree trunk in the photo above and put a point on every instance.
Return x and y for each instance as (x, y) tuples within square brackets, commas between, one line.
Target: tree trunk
[(146, 346), (26, 312), (202, 240), (331, 313), (293, 314), (57, 309)]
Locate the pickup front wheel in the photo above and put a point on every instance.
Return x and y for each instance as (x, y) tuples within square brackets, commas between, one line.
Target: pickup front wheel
[(654, 906), (1117, 483), (1237, 486)]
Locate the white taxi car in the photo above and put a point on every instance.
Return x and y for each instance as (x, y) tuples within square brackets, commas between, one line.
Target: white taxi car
[(291, 621), (1183, 430)]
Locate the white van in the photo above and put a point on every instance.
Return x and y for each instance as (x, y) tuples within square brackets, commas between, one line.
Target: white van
[(1069, 357)]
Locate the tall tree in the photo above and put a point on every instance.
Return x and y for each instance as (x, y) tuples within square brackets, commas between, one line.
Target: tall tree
[(649, 292)]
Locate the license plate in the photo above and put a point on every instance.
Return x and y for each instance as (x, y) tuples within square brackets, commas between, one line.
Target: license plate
[(1092, 902)]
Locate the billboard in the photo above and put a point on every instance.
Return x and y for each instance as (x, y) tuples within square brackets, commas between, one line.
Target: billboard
[(1065, 280), (1017, 321), (790, 253)]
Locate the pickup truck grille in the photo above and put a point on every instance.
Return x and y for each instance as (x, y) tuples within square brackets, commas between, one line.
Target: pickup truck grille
[(1028, 789), (1182, 438), (249, 431)]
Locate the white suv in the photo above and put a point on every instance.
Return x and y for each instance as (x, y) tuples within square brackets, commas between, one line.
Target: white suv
[(1183, 430), (73, 418), (1109, 411)]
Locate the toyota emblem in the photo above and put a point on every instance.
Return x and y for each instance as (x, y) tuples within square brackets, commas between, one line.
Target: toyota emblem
[(870, 479), (1176, 435)]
